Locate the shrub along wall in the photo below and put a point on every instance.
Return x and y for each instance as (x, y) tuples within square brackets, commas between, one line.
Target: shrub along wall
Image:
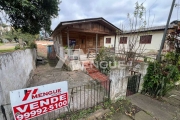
[(162, 76)]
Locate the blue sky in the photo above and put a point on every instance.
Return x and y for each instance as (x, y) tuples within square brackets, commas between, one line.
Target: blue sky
[(115, 11)]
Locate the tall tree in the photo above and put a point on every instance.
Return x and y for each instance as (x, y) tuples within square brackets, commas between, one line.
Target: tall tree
[(30, 15), (137, 24)]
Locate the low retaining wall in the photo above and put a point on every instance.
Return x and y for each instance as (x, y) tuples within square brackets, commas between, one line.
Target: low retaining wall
[(16, 69), (119, 80)]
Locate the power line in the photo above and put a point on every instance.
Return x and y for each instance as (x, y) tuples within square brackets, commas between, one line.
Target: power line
[(152, 5)]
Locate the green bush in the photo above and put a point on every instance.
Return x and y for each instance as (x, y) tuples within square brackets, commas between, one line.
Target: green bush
[(160, 78), (17, 47), (33, 45), (103, 59), (173, 58), (9, 39), (1, 41)]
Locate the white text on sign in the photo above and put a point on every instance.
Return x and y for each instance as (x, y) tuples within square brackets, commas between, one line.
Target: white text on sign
[(36, 108)]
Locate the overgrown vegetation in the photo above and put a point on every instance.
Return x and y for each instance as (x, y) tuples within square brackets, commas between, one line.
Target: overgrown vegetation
[(131, 48), (119, 107), (160, 78), (16, 35), (164, 75), (81, 113), (17, 47), (30, 44), (33, 44), (1, 41), (26, 38), (104, 60)]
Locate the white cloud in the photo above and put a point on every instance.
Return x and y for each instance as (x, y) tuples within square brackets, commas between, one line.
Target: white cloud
[(115, 11)]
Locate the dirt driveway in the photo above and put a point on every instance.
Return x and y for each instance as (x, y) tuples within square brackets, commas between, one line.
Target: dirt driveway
[(47, 73)]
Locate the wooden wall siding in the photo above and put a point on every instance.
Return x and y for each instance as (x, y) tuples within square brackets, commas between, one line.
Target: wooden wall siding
[(92, 27), (101, 28), (64, 39), (101, 39), (84, 41), (95, 27), (86, 26), (89, 42)]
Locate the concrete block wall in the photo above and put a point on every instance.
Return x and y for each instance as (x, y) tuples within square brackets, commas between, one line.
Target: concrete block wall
[(16, 69)]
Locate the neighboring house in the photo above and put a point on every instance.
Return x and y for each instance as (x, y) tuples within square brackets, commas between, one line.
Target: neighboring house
[(84, 34), (4, 29), (7, 28), (149, 38)]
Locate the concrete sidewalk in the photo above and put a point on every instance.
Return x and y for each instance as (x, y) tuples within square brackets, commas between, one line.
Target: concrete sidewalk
[(154, 109)]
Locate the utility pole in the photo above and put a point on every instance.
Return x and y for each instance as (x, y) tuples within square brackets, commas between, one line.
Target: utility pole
[(164, 35)]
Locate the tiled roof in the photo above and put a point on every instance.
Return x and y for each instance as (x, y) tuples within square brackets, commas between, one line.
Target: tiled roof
[(155, 28)]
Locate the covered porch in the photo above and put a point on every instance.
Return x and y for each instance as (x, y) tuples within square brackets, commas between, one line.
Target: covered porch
[(81, 39), (81, 45)]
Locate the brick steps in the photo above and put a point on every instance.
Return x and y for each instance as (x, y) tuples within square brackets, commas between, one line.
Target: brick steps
[(94, 73)]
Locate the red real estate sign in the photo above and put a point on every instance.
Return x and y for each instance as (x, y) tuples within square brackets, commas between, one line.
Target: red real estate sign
[(32, 102)]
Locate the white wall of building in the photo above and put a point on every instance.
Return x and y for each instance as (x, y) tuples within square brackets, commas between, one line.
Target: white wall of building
[(155, 41), (112, 41)]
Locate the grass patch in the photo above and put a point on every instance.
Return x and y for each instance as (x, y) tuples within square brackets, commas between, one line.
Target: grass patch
[(13, 49), (81, 114), (7, 50), (119, 107), (1, 44)]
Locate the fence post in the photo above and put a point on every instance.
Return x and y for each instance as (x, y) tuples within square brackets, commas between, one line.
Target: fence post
[(79, 54), (3, 112), (109, 92)]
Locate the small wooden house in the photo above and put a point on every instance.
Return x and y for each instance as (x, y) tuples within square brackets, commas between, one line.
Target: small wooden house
[(82, 34)]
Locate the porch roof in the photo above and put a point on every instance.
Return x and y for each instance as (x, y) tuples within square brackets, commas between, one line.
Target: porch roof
[(100, 20)]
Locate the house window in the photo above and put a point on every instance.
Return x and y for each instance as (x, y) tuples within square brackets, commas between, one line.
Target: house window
[(108, 40), (145, 39), (123, 40)]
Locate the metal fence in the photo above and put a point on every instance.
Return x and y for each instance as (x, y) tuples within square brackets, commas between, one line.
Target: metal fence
[(82, 97), (133, 83)]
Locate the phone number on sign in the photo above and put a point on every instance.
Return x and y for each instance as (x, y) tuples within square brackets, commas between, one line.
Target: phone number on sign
[(40, 107)]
